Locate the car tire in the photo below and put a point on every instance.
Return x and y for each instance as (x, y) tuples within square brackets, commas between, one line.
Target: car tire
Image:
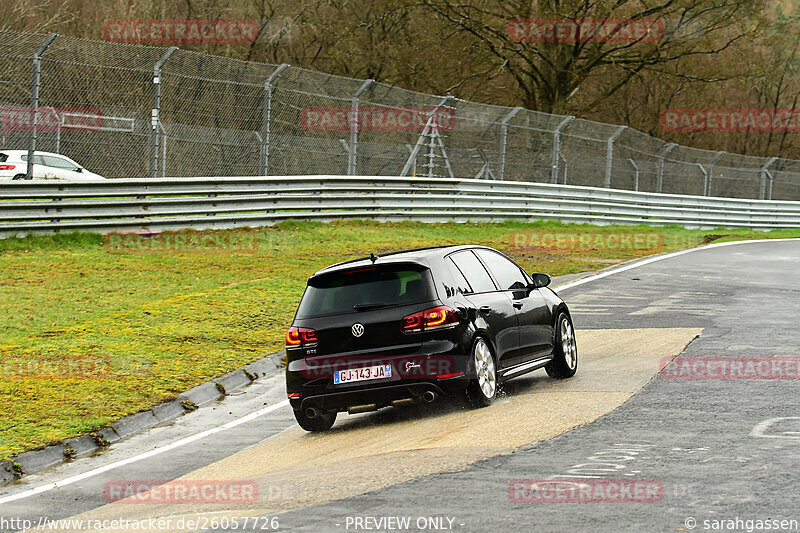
[(19, 177), (565, 350), (322, 422), (482, 389)]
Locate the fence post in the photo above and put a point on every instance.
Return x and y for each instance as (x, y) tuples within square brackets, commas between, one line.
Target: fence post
[(263, 163), (163, 150), (155, 119), (661, 156), (37, 71), (351, 160), (635, 174), (771, 183), (503, 137), (557, 149), (710, 174), (610, 155), (764, 173)]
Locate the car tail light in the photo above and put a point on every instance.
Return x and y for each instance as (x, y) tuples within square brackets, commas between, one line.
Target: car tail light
[(7, 167), (430, 319), (300, 337)]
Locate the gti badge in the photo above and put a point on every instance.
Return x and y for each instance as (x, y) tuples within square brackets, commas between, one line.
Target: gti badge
[(357, 329)]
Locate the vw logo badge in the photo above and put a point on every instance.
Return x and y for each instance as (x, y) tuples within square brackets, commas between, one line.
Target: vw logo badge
[(357, 329)]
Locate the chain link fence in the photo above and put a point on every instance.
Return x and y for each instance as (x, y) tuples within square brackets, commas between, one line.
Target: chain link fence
[(132, 111)]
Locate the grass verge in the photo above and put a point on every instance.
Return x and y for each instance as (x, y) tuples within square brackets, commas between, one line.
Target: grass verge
[(89, 336)]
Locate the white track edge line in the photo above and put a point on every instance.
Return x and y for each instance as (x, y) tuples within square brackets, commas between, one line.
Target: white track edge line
[(661, 258), (145, 455)]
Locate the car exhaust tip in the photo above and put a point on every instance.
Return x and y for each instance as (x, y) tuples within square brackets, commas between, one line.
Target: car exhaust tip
[(353, 409), (311, 412), (428, 396), (404, 401)]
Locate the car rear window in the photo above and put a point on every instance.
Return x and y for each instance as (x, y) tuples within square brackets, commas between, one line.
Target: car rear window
[(372, 287), (3, 158)]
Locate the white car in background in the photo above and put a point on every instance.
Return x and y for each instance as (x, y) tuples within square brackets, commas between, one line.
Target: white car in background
[(46, 165)]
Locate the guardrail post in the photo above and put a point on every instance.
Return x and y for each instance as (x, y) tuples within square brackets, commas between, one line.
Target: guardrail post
[(635, 174), (352, 158), (503, 137), (764, 174), (557, 149), (610, 154), (710, 174), (37, 71), (155, 119), (661, 156), (263, 163)]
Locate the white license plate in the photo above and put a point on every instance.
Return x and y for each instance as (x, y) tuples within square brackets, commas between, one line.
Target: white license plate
[(362, 374)]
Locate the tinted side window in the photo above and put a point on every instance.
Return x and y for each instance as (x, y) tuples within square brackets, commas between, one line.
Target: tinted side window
[(3, 158), (461, 283), (37, 159), (57, 162), (473, 270), (507, 274)]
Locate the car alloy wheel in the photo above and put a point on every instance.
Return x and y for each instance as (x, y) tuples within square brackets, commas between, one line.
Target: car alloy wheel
[(568, 344), (565, 350), (483, 388)]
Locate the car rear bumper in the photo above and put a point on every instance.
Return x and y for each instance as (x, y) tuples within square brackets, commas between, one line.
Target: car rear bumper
[(375, 397)]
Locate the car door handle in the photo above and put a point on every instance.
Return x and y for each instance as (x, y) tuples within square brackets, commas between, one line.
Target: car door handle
[(517, 305), (485, 309)]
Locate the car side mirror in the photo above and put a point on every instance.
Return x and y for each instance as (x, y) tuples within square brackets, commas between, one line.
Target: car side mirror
[(80, 169), (540, 280)]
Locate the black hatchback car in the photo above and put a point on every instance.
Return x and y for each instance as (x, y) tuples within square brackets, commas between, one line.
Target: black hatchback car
[(413, 325)]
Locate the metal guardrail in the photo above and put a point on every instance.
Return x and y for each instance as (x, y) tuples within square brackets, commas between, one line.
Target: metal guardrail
[(203, 203)]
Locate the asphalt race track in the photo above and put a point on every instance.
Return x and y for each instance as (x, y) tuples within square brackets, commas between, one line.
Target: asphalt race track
[(711, 448)]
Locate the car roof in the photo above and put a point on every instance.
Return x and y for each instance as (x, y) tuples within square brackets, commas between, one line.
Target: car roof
[(21, 152), (414, 255)]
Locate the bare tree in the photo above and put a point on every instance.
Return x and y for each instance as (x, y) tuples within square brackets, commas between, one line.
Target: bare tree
[(549, 72)]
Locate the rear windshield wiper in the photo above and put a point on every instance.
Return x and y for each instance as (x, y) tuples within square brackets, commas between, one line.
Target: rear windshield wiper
[(367, 307)]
